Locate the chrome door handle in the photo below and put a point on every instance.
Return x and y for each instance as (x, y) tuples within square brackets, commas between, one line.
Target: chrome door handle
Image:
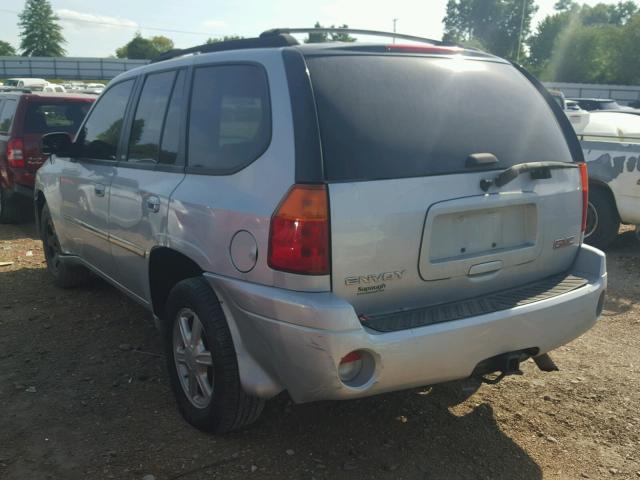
[(99, 189), (153, 204)]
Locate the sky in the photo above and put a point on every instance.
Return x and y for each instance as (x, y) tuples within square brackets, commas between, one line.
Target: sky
[(95, 28)]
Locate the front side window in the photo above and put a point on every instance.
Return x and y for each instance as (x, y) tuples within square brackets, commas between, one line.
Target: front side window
[(6, 115), (100, 134), (144, 142), (230, 117)]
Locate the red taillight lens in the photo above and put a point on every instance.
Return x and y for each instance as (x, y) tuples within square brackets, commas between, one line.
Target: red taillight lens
[(584, 181), (299, 237), (15, 153)]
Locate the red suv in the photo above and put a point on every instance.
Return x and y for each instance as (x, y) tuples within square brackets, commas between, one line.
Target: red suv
[(24, 118)]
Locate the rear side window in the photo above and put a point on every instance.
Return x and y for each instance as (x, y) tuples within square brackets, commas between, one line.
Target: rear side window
[(100, 134), (6, 115), (230, 117), (144, 142), (55, 117), (401, 116)]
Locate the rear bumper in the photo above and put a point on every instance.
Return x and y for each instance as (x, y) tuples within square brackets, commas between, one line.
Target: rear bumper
[(295, 340)]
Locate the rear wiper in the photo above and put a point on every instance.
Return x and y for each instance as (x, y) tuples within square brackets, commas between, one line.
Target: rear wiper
[(538, 170)]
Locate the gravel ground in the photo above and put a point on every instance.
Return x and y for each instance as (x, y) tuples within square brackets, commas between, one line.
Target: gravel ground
[(84, 395)]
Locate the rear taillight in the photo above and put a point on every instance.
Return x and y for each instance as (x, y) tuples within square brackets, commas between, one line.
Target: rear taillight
[(15, 153), (299, 236), (584, 181)]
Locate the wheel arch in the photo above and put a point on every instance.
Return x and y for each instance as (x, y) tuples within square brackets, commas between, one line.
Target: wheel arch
[(167, 267)]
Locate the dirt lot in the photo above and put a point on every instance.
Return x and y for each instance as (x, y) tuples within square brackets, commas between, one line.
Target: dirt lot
[(84, 394)]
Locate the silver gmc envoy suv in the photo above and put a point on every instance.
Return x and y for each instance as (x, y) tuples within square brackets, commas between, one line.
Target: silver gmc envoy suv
[(335, 220)]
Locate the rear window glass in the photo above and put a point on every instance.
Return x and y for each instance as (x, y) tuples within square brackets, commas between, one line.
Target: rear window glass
[(401, 116), (55, 117), (230, 117)]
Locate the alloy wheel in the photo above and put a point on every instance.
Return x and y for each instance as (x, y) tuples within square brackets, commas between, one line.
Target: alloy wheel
[(192, 358)]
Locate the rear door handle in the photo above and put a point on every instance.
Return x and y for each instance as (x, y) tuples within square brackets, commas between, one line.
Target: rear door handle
[(153, 204), (99, 189)]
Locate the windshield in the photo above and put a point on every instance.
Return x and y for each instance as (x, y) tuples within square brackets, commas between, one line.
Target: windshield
[(406, 116)]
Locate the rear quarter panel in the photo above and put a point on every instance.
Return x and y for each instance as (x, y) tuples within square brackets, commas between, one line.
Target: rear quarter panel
[(206, 211)]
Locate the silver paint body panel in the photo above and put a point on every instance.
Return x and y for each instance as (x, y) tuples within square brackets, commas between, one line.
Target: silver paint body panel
[(290, 331)]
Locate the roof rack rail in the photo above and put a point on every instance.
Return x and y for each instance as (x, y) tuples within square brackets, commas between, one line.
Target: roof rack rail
[(355, 31), (238, 44)]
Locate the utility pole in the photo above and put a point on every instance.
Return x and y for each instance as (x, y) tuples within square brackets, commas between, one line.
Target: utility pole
[(524, 3), (394, 29)]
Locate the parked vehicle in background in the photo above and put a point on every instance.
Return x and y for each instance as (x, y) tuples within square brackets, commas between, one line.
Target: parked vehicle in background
[(578, 117), (31, 83), (591, 104), (336, 220), (24, 118), (54, 88), (611, 144), (93, 88)]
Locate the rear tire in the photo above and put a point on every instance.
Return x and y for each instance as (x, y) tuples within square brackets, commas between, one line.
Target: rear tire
[(205, 378), (64, 274), (9, 208), (603, 221)]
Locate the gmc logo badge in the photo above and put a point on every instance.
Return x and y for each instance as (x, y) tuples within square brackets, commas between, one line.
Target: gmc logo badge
[(564, 242)]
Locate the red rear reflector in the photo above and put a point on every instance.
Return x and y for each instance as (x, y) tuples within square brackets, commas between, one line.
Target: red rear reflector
[(15, 153), (299, 236), (423, 49), (584, 181), (351, 357)]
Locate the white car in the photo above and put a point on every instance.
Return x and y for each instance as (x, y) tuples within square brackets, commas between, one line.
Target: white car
[(32, 83), (578, 117), (611, 145), (54, 88)]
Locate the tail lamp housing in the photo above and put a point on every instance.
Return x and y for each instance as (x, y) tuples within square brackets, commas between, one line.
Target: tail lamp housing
[(15, 153), (584, 182), (299, 232)]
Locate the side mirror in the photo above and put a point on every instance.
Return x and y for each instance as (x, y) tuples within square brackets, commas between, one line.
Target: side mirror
[(57, 143)]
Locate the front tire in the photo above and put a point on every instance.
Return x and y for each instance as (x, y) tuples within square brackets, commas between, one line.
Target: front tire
[(603, 221), (202, 362), (64, 274)]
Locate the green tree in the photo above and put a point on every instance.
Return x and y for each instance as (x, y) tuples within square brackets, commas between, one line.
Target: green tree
[(584, 54), (321, 37), (627, 64), (162, 44), (551, 47), (138, 48), (496, 25), (40, 33), (6, 50)]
